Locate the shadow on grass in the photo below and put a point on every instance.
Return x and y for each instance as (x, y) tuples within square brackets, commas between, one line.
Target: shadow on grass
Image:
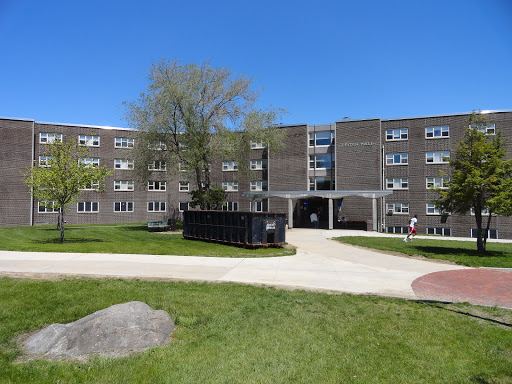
[(68, 241), (459, 251)]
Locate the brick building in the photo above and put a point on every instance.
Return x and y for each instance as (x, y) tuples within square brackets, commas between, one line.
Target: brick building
[(400, 156)]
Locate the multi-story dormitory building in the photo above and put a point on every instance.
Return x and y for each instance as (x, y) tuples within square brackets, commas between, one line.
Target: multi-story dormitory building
[(400, 156)]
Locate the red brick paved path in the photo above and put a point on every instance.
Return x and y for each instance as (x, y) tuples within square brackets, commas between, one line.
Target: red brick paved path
[(476, 286)]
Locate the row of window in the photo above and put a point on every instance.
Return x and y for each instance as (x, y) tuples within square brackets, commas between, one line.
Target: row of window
[(403, 182), (184, 186), (232, 186), (439, 157), (431, 209), (152, 206), (443, 231), (435, 132), (254, 165)]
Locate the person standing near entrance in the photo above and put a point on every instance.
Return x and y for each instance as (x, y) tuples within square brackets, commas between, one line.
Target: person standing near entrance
[(314, 219), (412, 228)]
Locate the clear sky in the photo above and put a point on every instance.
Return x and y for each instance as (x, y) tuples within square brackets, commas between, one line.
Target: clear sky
[(76, 61)]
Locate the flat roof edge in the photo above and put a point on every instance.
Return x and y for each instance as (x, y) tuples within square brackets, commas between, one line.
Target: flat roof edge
[(15, 119)]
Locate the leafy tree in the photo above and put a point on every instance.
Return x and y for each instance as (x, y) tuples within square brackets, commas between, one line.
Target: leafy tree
[(192, 115), (63, 176), (481, 178)]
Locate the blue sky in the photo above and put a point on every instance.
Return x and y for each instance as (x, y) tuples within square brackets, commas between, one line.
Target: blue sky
[(77, 61)]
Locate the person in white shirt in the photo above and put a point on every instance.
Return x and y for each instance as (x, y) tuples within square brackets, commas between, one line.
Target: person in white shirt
[(412, 228)]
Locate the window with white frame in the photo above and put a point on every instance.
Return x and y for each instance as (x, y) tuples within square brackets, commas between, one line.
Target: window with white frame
[(47, 207), (397, 159), (437, 132), (433, 210), (123, 164), (485, 211), (437, 182), (230, 165), (93, 186), (258, 165), (156, 206), (44, 161), (437, 157), (257, 206), (397, 134), (492, 234), (49, 138), (88, 207), (184, 186), (123, 142), (157, 166), (257, 145), (230, 206), (157, 185), (182, 166), (89, 141), (123, 206), (392, 229), (488, 129), (397, 183), (321, 161), (399, 208), (259, 185), (320, 183), (442, 231), (230, 186), (184, 206), (123, 185), (321, 138), (158, 146), (91, 161)]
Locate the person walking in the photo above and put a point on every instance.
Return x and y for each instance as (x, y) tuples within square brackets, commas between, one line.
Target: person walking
[(314, 219), (412, 228)]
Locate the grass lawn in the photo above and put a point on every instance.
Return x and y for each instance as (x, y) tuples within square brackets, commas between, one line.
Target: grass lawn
[(497, 255), (228, 333), (120, 239)]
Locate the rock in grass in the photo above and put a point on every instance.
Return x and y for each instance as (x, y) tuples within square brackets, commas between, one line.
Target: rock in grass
[(114, 331)]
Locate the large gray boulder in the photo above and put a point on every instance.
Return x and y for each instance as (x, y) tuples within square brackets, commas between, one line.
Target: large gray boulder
[(114, 331)]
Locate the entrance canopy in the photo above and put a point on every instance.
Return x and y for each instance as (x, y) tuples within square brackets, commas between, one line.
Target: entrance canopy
[(290, 195)]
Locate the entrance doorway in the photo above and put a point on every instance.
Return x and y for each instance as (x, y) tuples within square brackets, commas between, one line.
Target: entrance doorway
[(307, 206)]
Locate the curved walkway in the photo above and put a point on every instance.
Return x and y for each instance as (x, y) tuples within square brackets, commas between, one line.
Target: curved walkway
[(320, 264)]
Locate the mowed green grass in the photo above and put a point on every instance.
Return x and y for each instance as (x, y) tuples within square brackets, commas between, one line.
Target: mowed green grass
[(497, 255), (134, 239), (228, 333)]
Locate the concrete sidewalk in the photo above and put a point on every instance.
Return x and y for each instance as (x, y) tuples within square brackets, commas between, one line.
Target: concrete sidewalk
[(320, 264)]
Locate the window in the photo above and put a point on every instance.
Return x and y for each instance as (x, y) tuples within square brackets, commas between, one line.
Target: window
[(123, 185), (230, 186), (492, 234), (183, 166), (257, 145), (439, 231), (397, 229), (157, 166), (397, 183), (91, 187), (432, 209), (230, 166), (184, 206), (123, 206), (397, 159), (158, 146), (44, 161), (230, 206), (260, 185), (88, 207), (320, 183), (156, 206), (258, 206), (485, 212), (322, 161), (258, 165), (402, 208), (92, 161), (438, 157), (437, 182), (489, 129), (123, 164), (321, 138), (47, 207), (89, 141), (184, 186), (156, 185), (437, 132), (397, 134), (123, 142), (49, 138)]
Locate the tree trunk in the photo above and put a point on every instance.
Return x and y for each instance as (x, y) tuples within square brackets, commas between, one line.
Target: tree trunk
[(62, 226), (480, 242)]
